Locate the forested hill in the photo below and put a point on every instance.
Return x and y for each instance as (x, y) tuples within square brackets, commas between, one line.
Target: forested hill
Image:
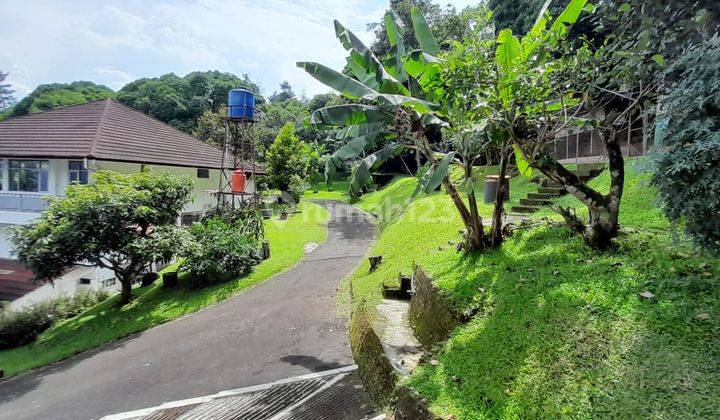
[(56, 95), (180, 101), (176, 100), (189, 103)]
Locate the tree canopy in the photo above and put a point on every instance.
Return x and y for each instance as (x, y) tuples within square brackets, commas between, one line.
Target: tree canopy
[(180, 101), (289, 161), (122, 222), (56, 95)]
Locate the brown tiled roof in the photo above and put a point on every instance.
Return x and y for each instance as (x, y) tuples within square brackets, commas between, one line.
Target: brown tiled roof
[(15, 280), (105, 130)]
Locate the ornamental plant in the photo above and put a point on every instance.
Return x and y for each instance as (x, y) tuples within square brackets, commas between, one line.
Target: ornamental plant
[(122, 222), (220, 250)]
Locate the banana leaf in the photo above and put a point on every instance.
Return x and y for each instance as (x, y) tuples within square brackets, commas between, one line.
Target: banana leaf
[(338, 81), (361, 175), (423, 34), (345, 115), (365, 65)]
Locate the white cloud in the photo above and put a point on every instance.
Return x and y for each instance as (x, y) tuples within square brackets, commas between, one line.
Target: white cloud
[(112, 77), (48, 41)]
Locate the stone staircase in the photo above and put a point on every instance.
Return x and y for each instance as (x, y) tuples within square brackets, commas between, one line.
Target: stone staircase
[(548, 190)]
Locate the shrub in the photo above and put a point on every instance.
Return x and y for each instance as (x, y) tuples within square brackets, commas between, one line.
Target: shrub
[(219, 251), (23, 326), (688, 135), (288, 160)]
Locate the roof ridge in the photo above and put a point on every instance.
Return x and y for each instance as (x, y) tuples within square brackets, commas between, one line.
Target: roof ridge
[(99, 127), (30, 114)]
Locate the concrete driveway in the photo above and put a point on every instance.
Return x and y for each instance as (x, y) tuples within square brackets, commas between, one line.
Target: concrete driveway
[(286, 326)]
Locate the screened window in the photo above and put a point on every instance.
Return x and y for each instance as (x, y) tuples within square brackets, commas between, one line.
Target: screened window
[(28, 175), (203, 173), (77, 172), (188, 219)]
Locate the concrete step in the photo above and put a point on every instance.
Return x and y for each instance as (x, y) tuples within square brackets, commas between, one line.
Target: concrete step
[(591, 166), (552, 190), (582, 173), (542, 196), (524, 209), (534, 202)]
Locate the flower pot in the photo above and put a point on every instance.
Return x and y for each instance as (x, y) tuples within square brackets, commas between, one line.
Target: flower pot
[(284, 215), (170, 279), (148, 278)]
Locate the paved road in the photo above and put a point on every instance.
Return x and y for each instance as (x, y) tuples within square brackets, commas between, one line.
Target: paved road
[(286, 326)]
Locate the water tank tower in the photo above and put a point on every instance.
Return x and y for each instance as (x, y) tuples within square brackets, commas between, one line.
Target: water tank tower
[(241, 105)]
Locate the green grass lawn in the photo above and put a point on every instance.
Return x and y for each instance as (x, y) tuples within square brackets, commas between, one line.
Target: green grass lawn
[(154, 305), (559, 330), (320, 191)]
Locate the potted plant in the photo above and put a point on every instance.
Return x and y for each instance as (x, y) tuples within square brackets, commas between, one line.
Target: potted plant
[(284, 211)]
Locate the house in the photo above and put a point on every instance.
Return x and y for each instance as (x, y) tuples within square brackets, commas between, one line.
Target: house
[(577, 145), (40, 154)]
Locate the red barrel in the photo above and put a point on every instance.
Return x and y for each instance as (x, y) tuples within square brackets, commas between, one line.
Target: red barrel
[(238, 182)]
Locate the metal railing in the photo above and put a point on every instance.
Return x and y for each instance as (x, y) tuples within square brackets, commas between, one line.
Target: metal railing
[(10, 201)]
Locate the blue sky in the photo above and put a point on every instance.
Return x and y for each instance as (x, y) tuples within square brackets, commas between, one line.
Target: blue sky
[(115, 42)]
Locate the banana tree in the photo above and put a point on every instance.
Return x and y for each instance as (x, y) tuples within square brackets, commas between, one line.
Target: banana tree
[(398, 101), (532, 90)]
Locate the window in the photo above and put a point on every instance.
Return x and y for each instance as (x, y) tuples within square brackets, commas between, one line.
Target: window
[(203, 173), (77, 172), (28, 175), (84, 280), (108, 282), (187, 219)]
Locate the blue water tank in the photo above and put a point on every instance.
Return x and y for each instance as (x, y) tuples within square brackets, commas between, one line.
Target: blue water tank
[(241, 104)]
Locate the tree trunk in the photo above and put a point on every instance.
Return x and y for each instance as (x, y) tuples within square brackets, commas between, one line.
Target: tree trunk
[(126, 289), (499, 210), (476, 233), (604, 210), (474, 238), (603, 225)]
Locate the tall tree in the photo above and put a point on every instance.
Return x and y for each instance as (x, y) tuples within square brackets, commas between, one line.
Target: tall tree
[(446, 23), (6, 93), (388, 118), (286, 93), (210, 129)]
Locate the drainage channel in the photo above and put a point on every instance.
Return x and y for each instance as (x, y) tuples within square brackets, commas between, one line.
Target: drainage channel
[(331, 394)]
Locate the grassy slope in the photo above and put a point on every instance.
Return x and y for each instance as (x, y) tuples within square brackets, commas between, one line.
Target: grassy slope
[(155, 305), (559, 329)]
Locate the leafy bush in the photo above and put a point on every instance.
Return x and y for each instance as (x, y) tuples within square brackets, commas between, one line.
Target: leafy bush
[(688, 135), (23, 326), (220, 251), (289, 160)]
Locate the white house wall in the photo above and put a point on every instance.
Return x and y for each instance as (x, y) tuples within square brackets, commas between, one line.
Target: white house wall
[(69, 284), (203, 199)]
